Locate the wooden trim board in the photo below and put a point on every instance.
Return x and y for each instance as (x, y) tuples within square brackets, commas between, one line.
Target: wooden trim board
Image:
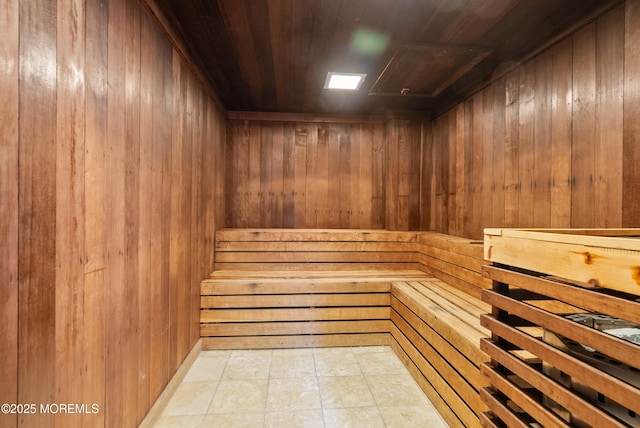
[(158, 407)]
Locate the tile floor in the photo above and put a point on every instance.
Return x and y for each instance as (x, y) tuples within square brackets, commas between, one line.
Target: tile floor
[(322, 387)]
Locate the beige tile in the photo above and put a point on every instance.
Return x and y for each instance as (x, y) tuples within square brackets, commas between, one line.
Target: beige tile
[(234, 420), (293, 352), (293, 394), (359, 417), (240, 396), (396, 390), (411, 416), (370, 349), (247, 367), (191, 398), (380, 363), (182, 421), (251, 353), (292, 365), (294, 419), (337, 363), (345, 391), (204, 369), (215, 354)]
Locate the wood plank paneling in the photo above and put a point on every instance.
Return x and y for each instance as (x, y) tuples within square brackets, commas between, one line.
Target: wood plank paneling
[(559, 146), (584, 128), (325, 175), (37, 208), (9, 179), (111, 176), (95, 179), (70, 191), (631, 125)]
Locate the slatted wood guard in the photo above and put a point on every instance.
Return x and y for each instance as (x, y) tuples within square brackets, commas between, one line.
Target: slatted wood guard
[(538, 357)]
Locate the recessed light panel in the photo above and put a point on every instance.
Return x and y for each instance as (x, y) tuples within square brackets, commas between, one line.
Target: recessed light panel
[(345, 81)]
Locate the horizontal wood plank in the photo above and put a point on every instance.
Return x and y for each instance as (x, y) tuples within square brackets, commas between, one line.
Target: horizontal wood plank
[(295, 300)]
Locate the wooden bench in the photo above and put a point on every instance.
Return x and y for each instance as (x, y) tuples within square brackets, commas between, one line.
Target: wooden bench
[(416, 291)]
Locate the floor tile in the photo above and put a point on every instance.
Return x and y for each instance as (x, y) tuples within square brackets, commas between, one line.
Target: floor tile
[(206, 369), (411, 416), (341, 387), (380, 363), (234, 420), (396, 390), (191, 398), (338, 392), (292, 365), (338, 362), (294, 419), (180, 421), (247, 367), (293, 394), (359, 417), (240, 396)]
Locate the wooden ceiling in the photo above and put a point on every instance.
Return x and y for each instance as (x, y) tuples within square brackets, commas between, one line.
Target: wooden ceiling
[(273, 55)]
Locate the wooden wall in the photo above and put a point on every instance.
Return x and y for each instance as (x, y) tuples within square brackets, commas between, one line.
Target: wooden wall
[(110, 186), (323, 173), (553, 143)]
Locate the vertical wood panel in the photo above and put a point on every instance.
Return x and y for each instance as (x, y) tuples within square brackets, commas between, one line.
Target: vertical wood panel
[(323, 176), (9, 179), (378, 179), (69, 322), (512, 149), (558, 146), (37, 208), (277, 181), (265, 161), (488, 183), (459, 173), (631, 142), (498, 208), (469, 163), (526, 142), (542, 156), (609, 125), (311, 189), (333, 197), (391, 173), (561, 133), (584, 119), (130, 345), (116, 311), (95, 184), (479, 191), (365, 189), (427, 181), (146, 200), (288, 175), (300, 163)]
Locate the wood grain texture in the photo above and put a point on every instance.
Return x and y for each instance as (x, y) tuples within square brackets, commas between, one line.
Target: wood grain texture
[(88, 102), (558, 139), (325, 175), (9, 211), (631, 126), (37, 208)]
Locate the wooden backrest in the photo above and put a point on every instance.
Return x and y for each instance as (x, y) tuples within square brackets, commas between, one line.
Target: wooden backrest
[(456, 261), (315, 249)]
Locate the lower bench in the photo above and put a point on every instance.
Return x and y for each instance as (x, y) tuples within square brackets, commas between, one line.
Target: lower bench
[(289, 309), (436, 332)]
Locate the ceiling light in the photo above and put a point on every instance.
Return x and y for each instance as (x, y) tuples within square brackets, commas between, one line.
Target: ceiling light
[(348, 81)]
